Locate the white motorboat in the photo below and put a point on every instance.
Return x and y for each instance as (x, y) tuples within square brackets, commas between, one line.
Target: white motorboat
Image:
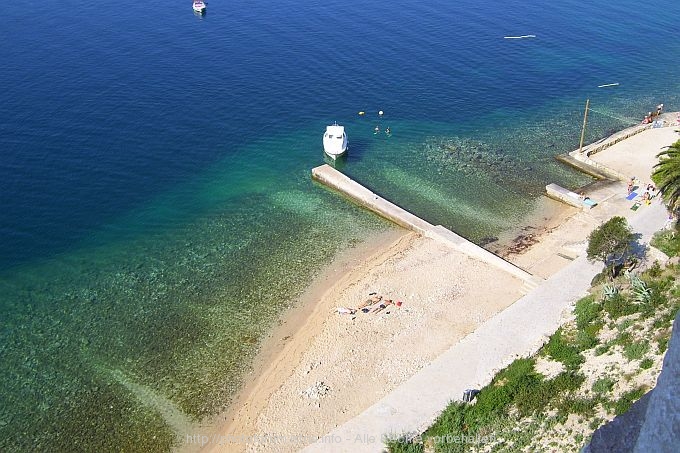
[(199, 6), (335, 140)]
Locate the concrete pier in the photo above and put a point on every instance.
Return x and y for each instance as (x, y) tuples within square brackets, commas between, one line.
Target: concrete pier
[(566, 196), (583, 160), (332, 178)]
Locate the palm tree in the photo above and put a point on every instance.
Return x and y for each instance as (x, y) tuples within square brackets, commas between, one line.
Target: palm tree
[(666, 176)]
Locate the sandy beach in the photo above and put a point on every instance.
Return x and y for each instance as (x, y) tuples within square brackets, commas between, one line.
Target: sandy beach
[(323, 367)]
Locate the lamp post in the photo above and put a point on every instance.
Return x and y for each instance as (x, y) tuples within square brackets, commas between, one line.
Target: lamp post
[(583, 130)]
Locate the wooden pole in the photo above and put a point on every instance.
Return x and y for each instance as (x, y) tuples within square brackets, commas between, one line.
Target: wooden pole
[(583, 130)]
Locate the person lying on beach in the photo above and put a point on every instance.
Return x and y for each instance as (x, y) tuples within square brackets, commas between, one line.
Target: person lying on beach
[(372, 301), (382, 306), (346, 311)]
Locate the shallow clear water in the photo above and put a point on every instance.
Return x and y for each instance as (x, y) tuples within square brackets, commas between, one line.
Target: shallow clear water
[(157, 211)]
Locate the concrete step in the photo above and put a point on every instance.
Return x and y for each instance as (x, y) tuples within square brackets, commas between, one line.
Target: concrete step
[(531, 284)]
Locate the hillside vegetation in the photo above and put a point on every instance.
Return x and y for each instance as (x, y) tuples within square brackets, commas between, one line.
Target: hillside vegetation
[(592, 369)]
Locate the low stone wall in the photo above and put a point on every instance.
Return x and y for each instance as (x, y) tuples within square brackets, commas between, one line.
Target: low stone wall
[(613, 139)]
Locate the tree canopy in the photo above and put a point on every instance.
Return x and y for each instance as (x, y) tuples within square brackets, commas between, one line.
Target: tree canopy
[(666, 176), (611, 242)]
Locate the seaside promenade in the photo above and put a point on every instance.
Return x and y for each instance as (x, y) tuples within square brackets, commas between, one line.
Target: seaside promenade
[(522, 328)]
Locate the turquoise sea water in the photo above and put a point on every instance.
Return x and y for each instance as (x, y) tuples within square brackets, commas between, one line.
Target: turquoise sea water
[(156, 209)]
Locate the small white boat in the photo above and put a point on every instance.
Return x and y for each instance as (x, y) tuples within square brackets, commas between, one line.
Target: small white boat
[(199, 6), (335, 140)]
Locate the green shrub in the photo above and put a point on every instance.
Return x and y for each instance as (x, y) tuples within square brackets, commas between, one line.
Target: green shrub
[(666, 319), (404, 446), (559, 349), (585, 339), (586, 310), (567, 381), (625, 324), (517, 379), (655, 300), (646, 363), (518, 383), (536, 396), (618, 306), (452, 419), (534, 399), (601, 349), (580, 406), (662, 345), (595, 423), (627, 400), (624, 339), (603, 385)]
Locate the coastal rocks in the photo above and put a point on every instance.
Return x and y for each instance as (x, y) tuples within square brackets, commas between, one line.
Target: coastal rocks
[(317, 391), (468, 156), (522, 242)]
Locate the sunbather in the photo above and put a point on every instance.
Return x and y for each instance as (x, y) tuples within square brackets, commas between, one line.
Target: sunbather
[(372, 301), (382, 306)]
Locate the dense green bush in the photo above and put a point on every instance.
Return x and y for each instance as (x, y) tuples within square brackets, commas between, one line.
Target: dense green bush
[(587, 338), (627, 400), (635, 351), (567, 381), (586, 310), (561, 350), (603, 385), (618, 306), (580, 406)]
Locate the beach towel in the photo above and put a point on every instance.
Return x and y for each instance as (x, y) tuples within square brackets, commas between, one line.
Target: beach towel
[(589, 202), (631, 196), (635, 206)]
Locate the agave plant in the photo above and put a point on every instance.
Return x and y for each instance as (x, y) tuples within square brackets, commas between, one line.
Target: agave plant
[(642, 293), (609, 290), (634, 279)]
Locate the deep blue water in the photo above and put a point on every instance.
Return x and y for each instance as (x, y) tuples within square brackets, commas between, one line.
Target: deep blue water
[(156, 208)]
